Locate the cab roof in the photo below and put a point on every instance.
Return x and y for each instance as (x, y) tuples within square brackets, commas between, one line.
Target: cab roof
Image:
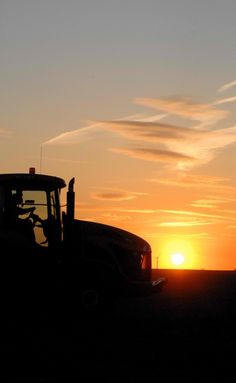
[(31, 181)]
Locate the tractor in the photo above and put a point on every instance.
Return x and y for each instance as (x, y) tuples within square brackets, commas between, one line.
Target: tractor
[(48, 255)]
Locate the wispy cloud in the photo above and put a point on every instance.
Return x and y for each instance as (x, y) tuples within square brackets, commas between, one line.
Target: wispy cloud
[(182, 147), (165, 215), (148, 131), (169, 235), (187, 146), (208, 183), (185, 108), (222, 218), (115, 195), (212, 202), (75, 136), (227, 86), (109, 196), (225, 100), (116, 209), (207, 203), (159, 155), (181, 218), (189, 223)]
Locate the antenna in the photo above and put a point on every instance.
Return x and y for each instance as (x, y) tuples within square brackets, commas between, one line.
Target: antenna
[(41, 159)]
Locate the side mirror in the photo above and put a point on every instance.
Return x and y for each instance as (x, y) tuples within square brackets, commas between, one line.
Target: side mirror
[(70, 201)]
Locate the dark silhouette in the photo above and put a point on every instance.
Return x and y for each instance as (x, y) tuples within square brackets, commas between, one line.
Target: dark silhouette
[(92, 259), (14, 211)]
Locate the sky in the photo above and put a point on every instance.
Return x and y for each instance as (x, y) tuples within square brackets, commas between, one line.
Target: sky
[(136, 100)]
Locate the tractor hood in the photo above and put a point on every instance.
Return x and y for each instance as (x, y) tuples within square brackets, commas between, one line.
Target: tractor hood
[(130, 253), (105, 234)]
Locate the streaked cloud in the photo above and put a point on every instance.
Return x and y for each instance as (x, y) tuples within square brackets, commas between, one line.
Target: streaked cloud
[(170, 235), (211, 203), (115, 195), (185, 108), (116, 209), (112, 196), (178, 218), (187, 146), (205, 182), (187, 223), (227, 86), (205, 203), (225, 100), (75, 136), (163, 215), (150, 131), (182, 147), (213, 218), (149, 154)]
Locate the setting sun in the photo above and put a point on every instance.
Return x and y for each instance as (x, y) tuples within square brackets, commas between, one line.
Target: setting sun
[(177, 259), (178, 253)]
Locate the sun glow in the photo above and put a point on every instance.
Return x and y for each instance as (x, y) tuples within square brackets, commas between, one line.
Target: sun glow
[(177, 253), (177, 259)]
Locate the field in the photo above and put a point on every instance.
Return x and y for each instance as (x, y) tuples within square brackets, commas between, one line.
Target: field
[(186, 332)]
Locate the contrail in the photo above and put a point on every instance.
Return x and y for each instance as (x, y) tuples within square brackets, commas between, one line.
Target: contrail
[(227, 86), (225, 100), (73, 136)]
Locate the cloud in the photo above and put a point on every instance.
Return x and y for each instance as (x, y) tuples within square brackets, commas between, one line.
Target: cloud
[(190, 223), (194, 180), (225, 100), (220, 217), (75, 136), (195, 146), (204, 147), (227, 86), (169, 235), (111, 194), (182, 147), (191, 218), (184, 107), (208, 203), (150, 131), (119, 209), (207, 183), (186, 147), (159, 155), (188, 219)]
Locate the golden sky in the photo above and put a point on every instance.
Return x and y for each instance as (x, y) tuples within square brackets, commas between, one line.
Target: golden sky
[(149, 176), (136, 100)]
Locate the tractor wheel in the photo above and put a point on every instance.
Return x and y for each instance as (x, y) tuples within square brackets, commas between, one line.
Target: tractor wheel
[(95, 301)]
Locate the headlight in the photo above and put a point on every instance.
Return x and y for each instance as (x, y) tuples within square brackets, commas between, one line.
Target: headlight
[(147, 248)]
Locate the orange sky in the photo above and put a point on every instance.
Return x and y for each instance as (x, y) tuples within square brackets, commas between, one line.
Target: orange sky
[(170, 182), (137, 102)]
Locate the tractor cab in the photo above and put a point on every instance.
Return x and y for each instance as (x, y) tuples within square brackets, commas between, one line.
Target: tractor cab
[(30, 207), (89, 260)]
